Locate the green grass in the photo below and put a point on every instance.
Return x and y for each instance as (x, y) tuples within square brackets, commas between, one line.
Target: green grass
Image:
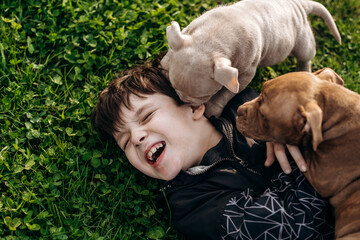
[(58, 180)]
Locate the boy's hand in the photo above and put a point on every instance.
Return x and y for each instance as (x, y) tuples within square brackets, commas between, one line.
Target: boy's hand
[(277, 150)]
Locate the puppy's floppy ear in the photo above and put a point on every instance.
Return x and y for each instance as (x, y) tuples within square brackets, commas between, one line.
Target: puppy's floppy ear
[(309, 117), (176, 39), (225, 74), (329, 75)]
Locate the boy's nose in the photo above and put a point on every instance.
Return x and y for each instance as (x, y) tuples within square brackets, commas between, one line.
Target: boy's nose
[(138, 137)]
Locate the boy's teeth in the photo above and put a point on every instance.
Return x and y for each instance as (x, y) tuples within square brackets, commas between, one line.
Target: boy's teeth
[(153, 150)]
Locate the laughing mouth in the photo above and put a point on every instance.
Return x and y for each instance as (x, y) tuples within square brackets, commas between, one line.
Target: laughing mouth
[(154, 152)]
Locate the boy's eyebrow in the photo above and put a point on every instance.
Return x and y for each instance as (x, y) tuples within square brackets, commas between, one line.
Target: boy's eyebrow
[(137, 113), (142, 108)]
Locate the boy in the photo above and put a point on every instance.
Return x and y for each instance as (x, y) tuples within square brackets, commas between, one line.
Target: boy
[(217, 185)]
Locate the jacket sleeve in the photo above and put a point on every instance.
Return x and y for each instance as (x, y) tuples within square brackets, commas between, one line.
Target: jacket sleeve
[(290, 209)]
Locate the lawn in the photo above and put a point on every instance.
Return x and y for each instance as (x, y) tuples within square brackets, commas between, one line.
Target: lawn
[(58, 179)]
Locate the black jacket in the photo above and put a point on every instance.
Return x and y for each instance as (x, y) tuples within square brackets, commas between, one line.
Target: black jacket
[(228, 191)]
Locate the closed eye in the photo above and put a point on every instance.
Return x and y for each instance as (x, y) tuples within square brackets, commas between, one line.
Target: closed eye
[(259, 102), (147, 117), (126, 143), (122, 140), (262, 115)]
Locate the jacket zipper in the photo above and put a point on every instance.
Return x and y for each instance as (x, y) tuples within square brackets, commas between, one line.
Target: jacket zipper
[(229, 137), (229, 132)]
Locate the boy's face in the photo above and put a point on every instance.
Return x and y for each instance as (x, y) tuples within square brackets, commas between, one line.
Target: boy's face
[(159, 137)]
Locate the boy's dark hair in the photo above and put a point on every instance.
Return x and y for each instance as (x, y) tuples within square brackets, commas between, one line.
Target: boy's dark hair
[(142, 80)]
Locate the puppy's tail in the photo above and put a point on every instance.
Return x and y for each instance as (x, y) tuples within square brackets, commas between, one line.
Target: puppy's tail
[(319, 10)]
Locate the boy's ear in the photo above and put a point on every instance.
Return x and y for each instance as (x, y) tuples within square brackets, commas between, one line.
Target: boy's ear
[(198, 111)]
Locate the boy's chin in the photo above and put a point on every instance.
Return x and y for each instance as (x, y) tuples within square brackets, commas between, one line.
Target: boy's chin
[(169, 176)]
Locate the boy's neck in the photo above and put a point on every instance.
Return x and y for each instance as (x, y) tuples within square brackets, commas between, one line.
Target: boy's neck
[(210, 137)]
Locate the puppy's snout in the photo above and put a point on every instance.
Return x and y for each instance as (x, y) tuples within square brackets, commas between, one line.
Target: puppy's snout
[(242, 111), (242, 119)]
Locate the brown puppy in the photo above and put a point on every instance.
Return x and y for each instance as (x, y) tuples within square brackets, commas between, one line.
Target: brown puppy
[(314, 111)]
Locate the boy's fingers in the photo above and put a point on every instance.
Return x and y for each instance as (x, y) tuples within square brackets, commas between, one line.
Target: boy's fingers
[(298, 157), (279, 150), (270, 156)]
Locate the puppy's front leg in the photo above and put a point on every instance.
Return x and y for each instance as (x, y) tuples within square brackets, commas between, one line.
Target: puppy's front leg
[(216, 104), (303, 66)]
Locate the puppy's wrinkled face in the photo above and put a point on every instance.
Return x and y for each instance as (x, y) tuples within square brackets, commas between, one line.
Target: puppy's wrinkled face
[(192, 75), (275, 115)]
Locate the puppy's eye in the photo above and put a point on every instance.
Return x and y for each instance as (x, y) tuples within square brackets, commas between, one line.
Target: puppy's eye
[(262, 115)]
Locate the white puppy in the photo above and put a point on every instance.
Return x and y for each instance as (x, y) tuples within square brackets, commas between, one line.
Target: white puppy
[(218, 53)]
